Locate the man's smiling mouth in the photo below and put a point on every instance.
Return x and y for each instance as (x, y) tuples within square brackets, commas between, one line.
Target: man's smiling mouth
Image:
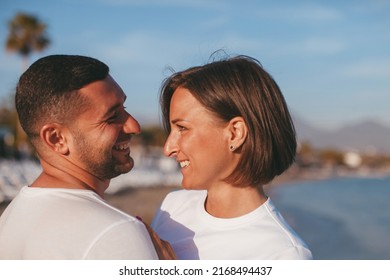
[(122, 146)]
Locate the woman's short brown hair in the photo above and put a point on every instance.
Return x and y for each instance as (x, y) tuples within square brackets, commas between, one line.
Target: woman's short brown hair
[(239, 86)]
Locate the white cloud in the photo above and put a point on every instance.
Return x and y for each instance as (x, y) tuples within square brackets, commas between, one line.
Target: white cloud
[(323, 46), (302, 13), (165, 3), (146, 48), (215, 22), (373, 68), (310, 46)]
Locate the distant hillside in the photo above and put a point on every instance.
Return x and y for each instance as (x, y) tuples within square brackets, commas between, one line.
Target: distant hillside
[(365, 136)]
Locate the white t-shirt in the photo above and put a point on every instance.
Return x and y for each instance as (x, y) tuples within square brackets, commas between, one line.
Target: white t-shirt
[(195, 234), (52, 223)]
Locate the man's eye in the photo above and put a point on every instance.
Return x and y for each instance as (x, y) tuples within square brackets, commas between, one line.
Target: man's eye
[(113, 118)]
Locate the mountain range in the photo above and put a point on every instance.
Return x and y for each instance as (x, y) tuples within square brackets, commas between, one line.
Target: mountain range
[(368, 136)]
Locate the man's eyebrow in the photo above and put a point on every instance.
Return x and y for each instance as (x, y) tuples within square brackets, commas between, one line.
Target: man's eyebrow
[(114, 108), (111, 110)]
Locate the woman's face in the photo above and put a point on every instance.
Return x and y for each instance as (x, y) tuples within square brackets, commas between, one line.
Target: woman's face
[(199, 141)]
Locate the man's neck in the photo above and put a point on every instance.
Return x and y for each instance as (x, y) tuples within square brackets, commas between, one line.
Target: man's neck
[(69, 177)]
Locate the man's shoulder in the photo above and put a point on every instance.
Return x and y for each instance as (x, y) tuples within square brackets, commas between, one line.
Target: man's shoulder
[(71, 203)]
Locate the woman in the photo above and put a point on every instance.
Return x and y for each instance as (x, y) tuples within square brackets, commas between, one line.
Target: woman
[(231, 132)]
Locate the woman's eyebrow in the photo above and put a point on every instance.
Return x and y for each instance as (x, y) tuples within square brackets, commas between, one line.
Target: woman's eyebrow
[(174, 121)]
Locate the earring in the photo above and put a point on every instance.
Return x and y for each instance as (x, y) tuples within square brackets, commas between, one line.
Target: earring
[(231, 148)]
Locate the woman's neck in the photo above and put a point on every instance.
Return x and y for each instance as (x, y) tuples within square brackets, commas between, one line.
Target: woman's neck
[(230, 202)]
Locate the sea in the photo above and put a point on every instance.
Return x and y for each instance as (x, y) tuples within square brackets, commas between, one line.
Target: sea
[(344, 218)]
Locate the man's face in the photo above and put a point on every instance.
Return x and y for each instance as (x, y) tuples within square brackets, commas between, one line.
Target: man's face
[(102, 132)]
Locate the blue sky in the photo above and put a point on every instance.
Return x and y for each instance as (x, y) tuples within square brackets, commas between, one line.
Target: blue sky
[(330, 58)]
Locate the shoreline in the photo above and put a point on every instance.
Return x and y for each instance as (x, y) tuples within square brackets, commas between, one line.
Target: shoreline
[(144, 201)]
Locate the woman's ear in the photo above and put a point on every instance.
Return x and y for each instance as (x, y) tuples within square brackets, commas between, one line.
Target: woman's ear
[(53, 137), (238, 132)]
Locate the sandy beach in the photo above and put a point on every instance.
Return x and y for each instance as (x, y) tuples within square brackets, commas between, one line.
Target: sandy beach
[(142, 202)]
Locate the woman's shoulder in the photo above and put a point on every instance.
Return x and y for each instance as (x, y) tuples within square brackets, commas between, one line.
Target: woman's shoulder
[(185, 194), (180, 197)]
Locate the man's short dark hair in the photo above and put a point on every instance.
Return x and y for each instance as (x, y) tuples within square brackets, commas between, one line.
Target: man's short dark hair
[(48, 90)]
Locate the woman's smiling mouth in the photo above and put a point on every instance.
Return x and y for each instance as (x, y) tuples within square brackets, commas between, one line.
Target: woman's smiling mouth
[(184, 163)]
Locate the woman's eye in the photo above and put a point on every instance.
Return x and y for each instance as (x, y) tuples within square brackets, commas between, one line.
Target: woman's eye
[(181, 128)]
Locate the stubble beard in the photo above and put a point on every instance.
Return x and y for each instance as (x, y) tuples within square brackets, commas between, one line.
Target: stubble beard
[(101, 163)]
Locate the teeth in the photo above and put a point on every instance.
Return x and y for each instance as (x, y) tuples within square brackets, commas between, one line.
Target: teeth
[(122, 146), (184, 163)]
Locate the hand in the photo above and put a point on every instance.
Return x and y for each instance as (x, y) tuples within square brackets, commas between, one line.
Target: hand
[(163, 248)]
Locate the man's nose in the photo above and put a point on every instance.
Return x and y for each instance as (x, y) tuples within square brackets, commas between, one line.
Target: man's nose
[(131, 125)]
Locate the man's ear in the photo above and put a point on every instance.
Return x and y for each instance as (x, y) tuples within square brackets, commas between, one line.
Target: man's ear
[(54, 137), (238, 133)]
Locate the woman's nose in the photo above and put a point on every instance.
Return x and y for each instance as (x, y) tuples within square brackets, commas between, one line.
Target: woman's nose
[(170, 146)]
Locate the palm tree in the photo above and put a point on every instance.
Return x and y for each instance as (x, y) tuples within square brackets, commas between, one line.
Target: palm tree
[(26, 35)]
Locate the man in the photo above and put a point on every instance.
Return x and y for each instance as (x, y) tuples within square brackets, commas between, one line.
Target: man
[(73, 113)]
